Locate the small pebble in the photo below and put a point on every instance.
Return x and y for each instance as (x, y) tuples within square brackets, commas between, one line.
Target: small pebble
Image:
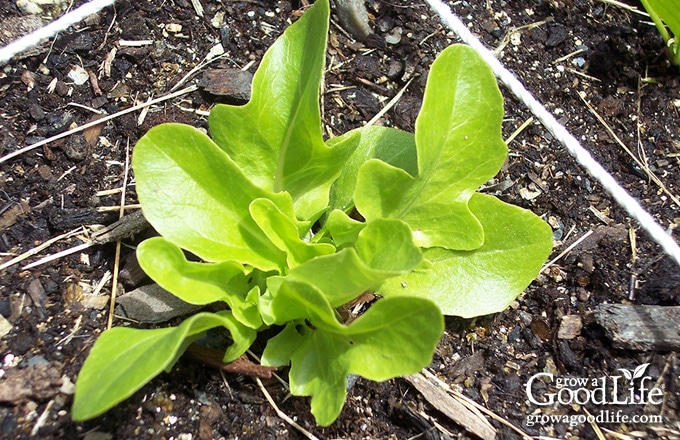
[(76, 148), (394, 37), (578, 61), (36, 360), (353, 17), (570, 327)]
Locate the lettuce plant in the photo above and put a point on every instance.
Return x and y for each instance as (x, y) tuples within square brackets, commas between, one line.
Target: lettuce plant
[(668, 12), (285, 228)]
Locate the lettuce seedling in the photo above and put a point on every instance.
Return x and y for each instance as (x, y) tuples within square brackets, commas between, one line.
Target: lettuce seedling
[(288, 228), (666, 13)]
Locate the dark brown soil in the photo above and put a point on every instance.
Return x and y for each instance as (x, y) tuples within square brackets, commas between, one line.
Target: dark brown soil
[(51, 190)]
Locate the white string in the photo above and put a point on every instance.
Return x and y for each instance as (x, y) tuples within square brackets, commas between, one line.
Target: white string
[(560, 133), (62, 23)]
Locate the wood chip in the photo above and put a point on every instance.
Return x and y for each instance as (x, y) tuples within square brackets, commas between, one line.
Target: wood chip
[(91, 134), (11, 215), (197, 7), (95, 302), (570, 327), (353, 18), (452, 408), (40, 382), (78, 75), (230, 83), (640, 327)]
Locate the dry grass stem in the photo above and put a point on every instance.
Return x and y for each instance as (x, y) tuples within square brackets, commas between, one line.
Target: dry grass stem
[(39, 248), (21, 151), (117, 208), (569, 55), (582, 75), (519, 130), (639, 163), (283, 415), (116, 262), (566, 251), (594, 425), (58, 255), (622, 5), (390, 104)]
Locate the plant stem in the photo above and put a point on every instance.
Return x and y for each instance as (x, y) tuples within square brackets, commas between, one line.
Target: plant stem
[(674, 49), (657, 21)]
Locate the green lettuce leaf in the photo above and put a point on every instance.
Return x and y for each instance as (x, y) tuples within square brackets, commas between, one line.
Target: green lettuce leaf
[(199, 283), (395, 337), (459, 147), (383, 249), (124, 359), (485, 280), (276, 137), (392, 146), (282, 231), (197, 197), (344, 229)]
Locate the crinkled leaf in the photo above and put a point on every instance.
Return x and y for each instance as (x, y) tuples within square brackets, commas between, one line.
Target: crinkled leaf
[(383, 249), (293, 299), (197, 197), (282, 231), (124, 359), (395, 337), (281, 347), (319, 368), (392, 146), (386, 245), (459, 147), (344, 229), (488, 279), (276, 138), (199, 283)]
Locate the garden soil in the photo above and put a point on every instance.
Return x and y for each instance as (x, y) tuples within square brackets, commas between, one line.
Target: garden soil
[(581, 58)]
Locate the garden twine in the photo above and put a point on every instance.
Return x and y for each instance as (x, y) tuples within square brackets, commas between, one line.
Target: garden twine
[(654, 229), (62, 23)]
